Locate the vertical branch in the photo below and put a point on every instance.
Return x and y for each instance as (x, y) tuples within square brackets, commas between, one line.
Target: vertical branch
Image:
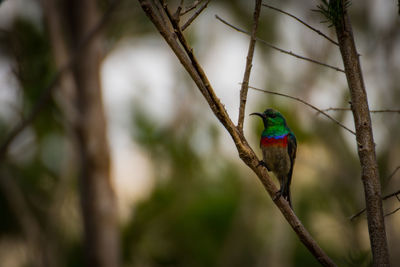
[(249, 59), (365, 140)]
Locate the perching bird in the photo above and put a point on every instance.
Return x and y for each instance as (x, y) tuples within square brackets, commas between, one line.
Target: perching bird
[(278, 145)]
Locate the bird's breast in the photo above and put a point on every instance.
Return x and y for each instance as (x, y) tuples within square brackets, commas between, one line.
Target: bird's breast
[(280, 141)]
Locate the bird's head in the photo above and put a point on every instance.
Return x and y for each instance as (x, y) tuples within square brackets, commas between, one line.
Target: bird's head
[(271, 117)]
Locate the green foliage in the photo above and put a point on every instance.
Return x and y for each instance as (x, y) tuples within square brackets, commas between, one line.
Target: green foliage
[(333, 11), (36, 163), (186, 219)]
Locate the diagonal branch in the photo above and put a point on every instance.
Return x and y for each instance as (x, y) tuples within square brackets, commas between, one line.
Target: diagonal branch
[(279, 49), (191, 7), (195, 15), (158, 13), (371, 111), (395, 194), (392, 212), (302, 22), (307, 104), (249, 59)]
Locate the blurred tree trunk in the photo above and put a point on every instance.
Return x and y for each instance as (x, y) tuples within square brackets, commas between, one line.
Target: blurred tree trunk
[(83, 107)]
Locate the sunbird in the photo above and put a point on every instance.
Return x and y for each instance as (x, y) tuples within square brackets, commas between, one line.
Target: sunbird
[(278, 144)]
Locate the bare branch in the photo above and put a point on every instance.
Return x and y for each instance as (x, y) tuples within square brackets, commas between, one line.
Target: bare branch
[(357, 214), (395, 194), (392, 212), (195, 15), (392, 174), (249, 60), (279, 49), (185, 55), (307, 104), (178, 11), (371, 111), (302, 22), (191, 7)]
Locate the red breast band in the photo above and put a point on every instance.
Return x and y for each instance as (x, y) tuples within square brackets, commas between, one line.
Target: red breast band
[(274, 141)]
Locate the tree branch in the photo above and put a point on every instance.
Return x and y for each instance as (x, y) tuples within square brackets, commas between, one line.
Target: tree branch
[(395, 194), (392, 212), (192, 18), (185, 55), (371, 111), (191, 7), (302, 22), (249, 60), (307, 104), (384, 198), (279, 49), (364, 136)]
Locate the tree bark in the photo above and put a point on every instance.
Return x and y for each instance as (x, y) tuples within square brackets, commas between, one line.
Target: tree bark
[(365, 142), (83, 108)]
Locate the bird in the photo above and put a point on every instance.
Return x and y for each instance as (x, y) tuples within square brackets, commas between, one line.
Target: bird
[(278, 144)]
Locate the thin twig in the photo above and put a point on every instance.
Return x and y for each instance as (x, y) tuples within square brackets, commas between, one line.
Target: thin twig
[(190, 8), (279, 49), (302, 22), (195, 15), (307, 104), (391, 195), (392, 174), (249, 60), (357, 214), (372, 110), (392, 212), (395, 194), (178, 11)]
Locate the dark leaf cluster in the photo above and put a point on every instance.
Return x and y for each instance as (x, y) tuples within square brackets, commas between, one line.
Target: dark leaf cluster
[(333, 11)]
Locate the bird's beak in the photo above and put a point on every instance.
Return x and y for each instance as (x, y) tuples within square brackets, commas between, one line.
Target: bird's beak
[(258, 114)]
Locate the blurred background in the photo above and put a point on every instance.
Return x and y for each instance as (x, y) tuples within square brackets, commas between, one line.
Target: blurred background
[(183, 197)]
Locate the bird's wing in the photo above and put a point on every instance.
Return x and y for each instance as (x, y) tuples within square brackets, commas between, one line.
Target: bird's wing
[(292, 147)]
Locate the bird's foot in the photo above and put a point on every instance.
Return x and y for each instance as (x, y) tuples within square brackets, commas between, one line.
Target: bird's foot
[(262, 163), (278, 194)]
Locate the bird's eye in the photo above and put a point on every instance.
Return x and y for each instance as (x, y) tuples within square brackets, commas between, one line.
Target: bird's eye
[(272, 115)]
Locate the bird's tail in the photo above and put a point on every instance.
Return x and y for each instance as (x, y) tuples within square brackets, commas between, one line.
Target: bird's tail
[(286, 195), (285, 190)]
